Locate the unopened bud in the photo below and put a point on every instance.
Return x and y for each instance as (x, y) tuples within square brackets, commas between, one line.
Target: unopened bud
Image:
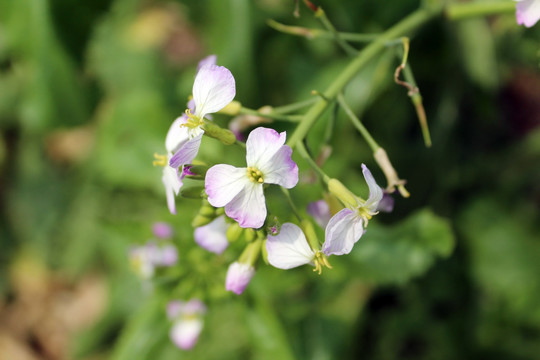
[(234, 231), (201, 220), (249, 234), (233, 108), (311, 236), (192, 191), (340, 191), (226, 136)]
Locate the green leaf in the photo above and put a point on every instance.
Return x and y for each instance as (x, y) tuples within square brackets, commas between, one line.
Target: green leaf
[(398, 253)]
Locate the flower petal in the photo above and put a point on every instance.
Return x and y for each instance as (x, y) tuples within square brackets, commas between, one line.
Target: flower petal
[(177, 135), (162, 230), (289, 248), (343, 230), (238, 277), (209, 60), (248, 207), (528, 12), (375, 192), (262, 144), (280, 169), (172, 184), (212, 236), (214, 87), (320, 211), (223, 182), (186, 152), (185, 333)]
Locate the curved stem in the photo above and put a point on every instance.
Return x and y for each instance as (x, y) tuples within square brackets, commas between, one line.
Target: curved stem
[(305, 155), (358, 124), (404, 27)]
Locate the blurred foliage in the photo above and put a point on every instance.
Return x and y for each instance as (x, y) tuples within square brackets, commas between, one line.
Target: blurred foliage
[(88, 90)]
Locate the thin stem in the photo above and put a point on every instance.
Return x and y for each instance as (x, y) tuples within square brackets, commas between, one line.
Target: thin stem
[(321, 15), (358, 124), (291, 203), (272, 115), (458, 11), (285, 109), (240, 143), (407, 25), (311, 33), (305, 155)]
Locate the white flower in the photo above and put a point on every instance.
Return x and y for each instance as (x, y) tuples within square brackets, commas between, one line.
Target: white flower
[(238, 277), (212, 236), (527, 12)]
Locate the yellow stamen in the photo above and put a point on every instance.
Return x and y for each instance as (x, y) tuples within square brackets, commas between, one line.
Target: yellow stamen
[(255, 175), (320, 261), (160, 160)]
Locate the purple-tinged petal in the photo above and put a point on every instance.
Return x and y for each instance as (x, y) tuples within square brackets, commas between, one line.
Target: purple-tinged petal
[(375, 192), (168, 255), (320, 211), (162, 230), (289, 248), (209, 60), (141, 262), (343, 230), (212, 236), (193, 307), (186, 153), (528, 12), (177, 135), (172, 184), (213, 89), (223, 182), (280, 169), (238, 277), (248, 208), (185, 333), (262, 144), (386, 204), (174, 307)]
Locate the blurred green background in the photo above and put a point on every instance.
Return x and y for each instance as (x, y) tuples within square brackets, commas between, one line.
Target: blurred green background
[(88, 90)]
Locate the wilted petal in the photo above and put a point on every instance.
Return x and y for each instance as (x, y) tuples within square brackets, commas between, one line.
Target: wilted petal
[(177, 135), (212, 236), (162, 230), (320, 212), (375, 192), (528, 12), (172, 183), (209, 60), (248, 207), (343, 230), (186, 153), (223, 182), (262, 144), (185, 332), (214, 87), (280, 169), (238, 277), (289, 248)]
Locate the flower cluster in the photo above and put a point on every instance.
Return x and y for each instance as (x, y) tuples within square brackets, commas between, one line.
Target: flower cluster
[(234, 199)]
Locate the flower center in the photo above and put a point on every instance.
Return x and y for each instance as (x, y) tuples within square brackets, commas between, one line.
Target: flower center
[(255, 175), (320, 261), (365, 214), (193, 121), (160, 160)]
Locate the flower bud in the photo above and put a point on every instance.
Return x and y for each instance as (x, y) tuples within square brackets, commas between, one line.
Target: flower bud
[(233, 108), (234, 232), (238, 277), (226, 136)]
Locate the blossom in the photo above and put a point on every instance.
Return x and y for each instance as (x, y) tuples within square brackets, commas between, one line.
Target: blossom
[(144, 259), (188, 324), (527, 12), (212, 236), (240, 190), (346, 227), (290, 249), (238, 277)]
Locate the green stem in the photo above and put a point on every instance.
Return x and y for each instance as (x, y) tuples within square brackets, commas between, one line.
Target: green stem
[(305, 155), (311, 33), (321, 15), (460, 11), (285, 109), (358, 124), (291, 204), (272, 115), (404, 27)]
